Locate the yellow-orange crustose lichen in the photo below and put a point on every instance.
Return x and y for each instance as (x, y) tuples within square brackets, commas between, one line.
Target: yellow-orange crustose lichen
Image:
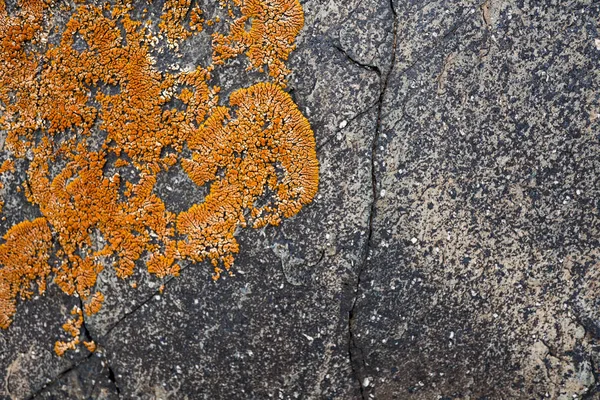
[(274, 25), (257, 152)]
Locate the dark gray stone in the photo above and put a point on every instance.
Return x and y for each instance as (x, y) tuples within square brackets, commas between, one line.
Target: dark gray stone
[(485, 226), (452, 251)]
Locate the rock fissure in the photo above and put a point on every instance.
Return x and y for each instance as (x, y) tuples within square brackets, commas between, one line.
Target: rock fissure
[(353, 348), (420, 58), (349, 122), (368, 67), (113, 378), (58, 377), (144, 302)]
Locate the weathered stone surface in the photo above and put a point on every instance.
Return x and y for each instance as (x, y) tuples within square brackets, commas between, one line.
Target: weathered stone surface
[(451, 252), (480, 276)]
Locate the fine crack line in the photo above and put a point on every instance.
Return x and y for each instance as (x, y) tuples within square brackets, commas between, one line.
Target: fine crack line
[(428, 53), (310, 266), (144, 302), (129, 313), (349, 122), (189, 11), (352, 345), (85, 332), (88, 336), (368, 67), (437, 44), (112, 377), (59, 376)]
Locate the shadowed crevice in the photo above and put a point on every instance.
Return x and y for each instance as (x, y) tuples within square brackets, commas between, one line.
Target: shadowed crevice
[(355, 353)]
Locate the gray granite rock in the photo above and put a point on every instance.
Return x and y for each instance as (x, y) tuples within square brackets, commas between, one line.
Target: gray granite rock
[(484, 241), (451, 252)]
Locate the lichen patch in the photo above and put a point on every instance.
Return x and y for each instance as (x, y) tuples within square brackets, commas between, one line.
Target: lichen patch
[(98, 122)]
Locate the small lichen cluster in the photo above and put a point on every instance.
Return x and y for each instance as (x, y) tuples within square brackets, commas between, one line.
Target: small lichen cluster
[(274, 25), (257, 153)]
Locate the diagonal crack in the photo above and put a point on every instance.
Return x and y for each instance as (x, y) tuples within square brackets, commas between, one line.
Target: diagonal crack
[(428, 52), (368, 67), (130, 313), (144, 302), (189, 11), (353, 348), (85, 332), (112, 377), (88, 336), (58, 377), (349, 123)]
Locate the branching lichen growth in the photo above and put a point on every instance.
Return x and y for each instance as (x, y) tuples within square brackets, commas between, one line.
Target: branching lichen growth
[(273, 27), (258, 149)]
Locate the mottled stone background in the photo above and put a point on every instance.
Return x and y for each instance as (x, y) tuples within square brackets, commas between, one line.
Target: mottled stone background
[(452, 251)]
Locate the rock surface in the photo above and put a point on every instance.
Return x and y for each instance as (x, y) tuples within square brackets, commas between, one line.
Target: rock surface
[(452, 251)]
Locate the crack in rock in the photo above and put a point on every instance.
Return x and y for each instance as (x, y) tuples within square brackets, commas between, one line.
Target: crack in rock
[(352, 345)]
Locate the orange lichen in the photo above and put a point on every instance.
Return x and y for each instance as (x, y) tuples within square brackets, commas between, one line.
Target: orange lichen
[(174, 14), (268, 130), (94, 304), (60, 347), (91, 346), (24, 258), (73, 328), (274, 25), (256, 153)]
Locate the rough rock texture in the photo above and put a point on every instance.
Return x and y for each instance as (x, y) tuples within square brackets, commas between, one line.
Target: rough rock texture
[(481, 279), (452, 251)]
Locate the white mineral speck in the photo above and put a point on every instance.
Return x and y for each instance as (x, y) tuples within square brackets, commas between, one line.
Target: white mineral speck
[(309, 338), (414, 240), (343, 124)]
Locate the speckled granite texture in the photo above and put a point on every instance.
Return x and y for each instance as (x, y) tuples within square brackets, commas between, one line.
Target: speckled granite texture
[(452, 251)]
